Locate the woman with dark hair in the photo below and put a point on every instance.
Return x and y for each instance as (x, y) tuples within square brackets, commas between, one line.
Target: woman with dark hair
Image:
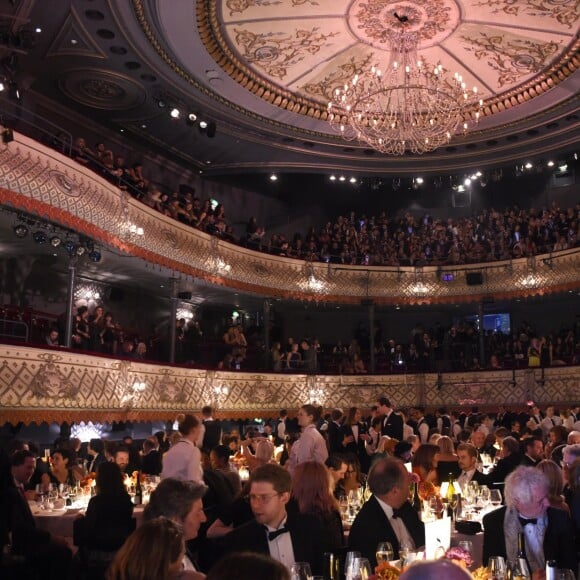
[(107, 335), (153, 552), (311, 446), (109, 517), (61, 469), (425, 461), (81, 333), (312, 492), (354, 435)]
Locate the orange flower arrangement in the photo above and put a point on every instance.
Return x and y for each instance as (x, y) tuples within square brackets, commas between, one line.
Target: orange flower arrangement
[(88, 479), (426, 490), (386, 571)]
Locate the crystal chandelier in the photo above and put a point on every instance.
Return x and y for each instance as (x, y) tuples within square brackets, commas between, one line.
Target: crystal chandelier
[(410, 106)]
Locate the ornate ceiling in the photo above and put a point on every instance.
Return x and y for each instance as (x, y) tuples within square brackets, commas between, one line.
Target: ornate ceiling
[(263, 70)]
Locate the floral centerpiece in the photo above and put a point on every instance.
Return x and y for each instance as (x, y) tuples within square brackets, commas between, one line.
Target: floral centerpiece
[(459, 556), (481, 573), (386, 571)]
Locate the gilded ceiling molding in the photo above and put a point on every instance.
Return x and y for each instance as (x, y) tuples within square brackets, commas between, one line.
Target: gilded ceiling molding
[(41, 385), (210, 30), (284, 99), (40, 181)]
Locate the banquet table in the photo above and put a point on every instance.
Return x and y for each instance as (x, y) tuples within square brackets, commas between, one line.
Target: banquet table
[(61, 522)]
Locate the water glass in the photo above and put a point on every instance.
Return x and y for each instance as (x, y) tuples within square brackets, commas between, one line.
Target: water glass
[(385, 552), (360, 570), (349, 562), (466, 545), (495, 497), (300, 571), (404, 553), (497, 568)]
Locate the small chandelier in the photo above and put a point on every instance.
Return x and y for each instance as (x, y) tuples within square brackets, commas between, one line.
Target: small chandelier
[(411, 106)]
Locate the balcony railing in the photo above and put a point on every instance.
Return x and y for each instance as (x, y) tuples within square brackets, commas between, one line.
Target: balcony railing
[(39, 180)]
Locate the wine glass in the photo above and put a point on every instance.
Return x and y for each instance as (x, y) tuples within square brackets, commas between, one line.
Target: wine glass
[(349, 561), (385, 552), (484, 496), (405, 549), (361, 569), (300, 571), (495, 497), (497, 568)]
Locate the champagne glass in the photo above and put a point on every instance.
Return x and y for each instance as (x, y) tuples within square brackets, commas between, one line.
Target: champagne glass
[(385, 552), (361, 569), (497, 568), (484, 496), (300, 571), (349, 561), (495, 497)]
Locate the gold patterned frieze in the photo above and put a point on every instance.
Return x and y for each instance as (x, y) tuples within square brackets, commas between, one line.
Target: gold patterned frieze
[(48, 385), (38, 180)]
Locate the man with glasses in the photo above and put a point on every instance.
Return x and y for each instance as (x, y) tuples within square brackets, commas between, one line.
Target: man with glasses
[(548, 532), (286, 537)]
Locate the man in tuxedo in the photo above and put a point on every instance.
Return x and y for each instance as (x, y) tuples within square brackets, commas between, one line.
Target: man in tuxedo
[(387, 516), (335, 435), (392, 425), (212, 436), (548, 532), (533, 451), (467, 460), (286, 536), (49, 555), (510, 459), (96, 452)]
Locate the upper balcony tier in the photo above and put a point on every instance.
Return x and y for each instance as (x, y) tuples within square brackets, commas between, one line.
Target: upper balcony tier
[(41, 181)]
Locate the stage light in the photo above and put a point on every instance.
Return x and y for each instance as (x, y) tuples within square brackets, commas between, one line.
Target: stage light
[(342, 178), (40, 237), (55, 241), (70, 247), (352, 179), (528, 165), (550, 164), (333, 178), (20, 230), (161, 103), (95, 256), (273, 177), (419, 180), (175, 113), (192, 117), (467, 181), (2, 87), (203, 124), (80, 250)]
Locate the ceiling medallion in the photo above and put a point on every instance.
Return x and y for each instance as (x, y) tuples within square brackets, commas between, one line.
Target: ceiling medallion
[(411, 106)]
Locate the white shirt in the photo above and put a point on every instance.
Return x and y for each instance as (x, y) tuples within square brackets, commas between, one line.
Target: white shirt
[(397, 524), (535, 536), (183, 461), (281, 548), (407, 431), (466, 477), (281, 430), (423, 429), (310, 447)]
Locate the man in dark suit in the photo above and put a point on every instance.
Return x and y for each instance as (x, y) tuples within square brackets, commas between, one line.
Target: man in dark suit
[(49, 555), (467, 460), (510, 459), (96, 452), (548, 532), (286, 536), (387, 516), (392, 425), (213, 429), (533, 451), (335, 435)]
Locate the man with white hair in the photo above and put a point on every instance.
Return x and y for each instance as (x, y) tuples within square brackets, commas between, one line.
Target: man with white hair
[(573, 437), (548, 532)]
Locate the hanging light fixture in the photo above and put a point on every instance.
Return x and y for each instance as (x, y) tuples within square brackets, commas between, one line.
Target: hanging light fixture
[(411, 106)]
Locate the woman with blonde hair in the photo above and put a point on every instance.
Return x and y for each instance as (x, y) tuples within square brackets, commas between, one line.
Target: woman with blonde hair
[(447, 464), (153, 552), (555, 484)]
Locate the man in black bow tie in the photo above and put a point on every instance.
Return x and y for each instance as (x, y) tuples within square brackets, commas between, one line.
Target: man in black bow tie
[(387, 516), (287, 537), (548, 532)]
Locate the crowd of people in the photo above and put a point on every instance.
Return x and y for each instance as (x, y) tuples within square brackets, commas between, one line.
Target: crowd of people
[(301, 471), (357, 239)]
